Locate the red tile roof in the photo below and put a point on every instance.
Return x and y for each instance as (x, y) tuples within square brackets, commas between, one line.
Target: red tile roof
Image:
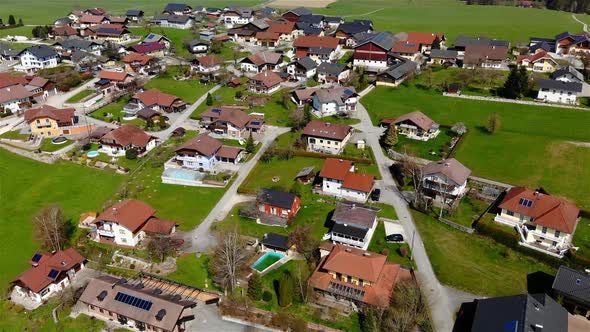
[(316, 41), (148, 47), (231, 152), (8, 79), (159, 226), (265, 35), (327, 130), (209, 60), (405, 47), (418, 118), (156, 97), (129, 134), (14, 92), (359, 182), (267, 78), (423, 38), (64, 31), (546, 210), (281, 27), (203, 144), (113, 75), (47, 111), (137, 57), (37, 277), (91, 18), (535, 57), (130, 213), (234, 115), (336, 169)]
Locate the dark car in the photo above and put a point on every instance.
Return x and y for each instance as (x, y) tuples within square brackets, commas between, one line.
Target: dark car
[(376, 194), (394, 238)]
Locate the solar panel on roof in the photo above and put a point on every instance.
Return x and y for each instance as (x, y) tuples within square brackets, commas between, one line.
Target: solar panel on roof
[(36, 258), (53, 273), (216, 110), (133, 301), (255, 123)]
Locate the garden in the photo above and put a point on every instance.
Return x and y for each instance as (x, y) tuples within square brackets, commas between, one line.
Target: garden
[(187, 89)]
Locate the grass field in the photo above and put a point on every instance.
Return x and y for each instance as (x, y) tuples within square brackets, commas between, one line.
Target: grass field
[(474, 263), (80, 95), (192, 270), (529, 149), (18, 31), (188, 90), (48, 146), (433, 149)]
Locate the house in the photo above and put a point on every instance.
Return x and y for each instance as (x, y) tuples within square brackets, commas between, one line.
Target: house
[(134, 15), (407, 50), (261, 61), (95, 11), (340, 179), (303, 96), (354, 276), (541, 44), (154, 49), (303, 44), (266, 82), (204, 152), (65, 31), (49, 274), (237, 15), (346, 30), (40, 87), (567, 43), (128, 136), (544, 222), (302, 69), (462, 42), (322, 54), (88, 62), (333, 22), (309, 30), (37, 57), (332, 72), (306, 175), (231, 121), (173, 21), (114, 76), (123, 20), (353, 225), (559, 91), (208, 64), (247, 32), (332, 101), (540, 62), (568, 74), (416, 125), (572, 287), (141, 64), (445, 57), (62, 21), (148, 114), (485, 56), (157, 38), (267, 39), (285, 30), (128, 222), (15, 98), (326, 137), (397, 73), (265, 11), (67, 47), (519, 313), (198, 46), (177, 9), (116, 33), (276, 243), (445, 178), (277, 203), (156, 100), (87, 21), (294, 15), (425, 40), (373, 51), (316, 21), (48, 121), (142, 307)]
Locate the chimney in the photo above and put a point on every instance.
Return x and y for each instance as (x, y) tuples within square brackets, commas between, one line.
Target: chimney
[(536, 192), (367, 254), (115, 211), (347, 250)]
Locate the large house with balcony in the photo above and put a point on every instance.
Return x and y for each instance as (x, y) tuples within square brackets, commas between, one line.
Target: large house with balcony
[(353, 225), (353, 276), (156, 100), (416, 125), (129, 136), (204, 152), (332, 101), (49, 274), (340, 179), (48, 121), (265, 60), (540, 62), (325, 137), (445, 179), (15, 98), (266, 82), (544, 222), (37, 57), (231, 121), (555, 91), (127, 223)]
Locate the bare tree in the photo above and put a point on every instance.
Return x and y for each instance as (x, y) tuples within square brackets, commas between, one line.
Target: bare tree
[(410, 167), (229, 257), (301, 277), (408, 309), (304, 243), (459, 128), (49, 227), (158, 247)]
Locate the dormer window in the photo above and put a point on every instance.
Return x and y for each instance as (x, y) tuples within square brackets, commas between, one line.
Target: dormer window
[(525, 202)]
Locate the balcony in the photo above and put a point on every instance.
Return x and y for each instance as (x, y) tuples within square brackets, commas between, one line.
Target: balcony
[(105, 232), (131, 108), (350, 242)]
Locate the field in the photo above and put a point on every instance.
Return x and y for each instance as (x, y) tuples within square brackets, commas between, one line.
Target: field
[(80, 95), (433, 149), (530, 148), (304, 3), (188, 90), (18, 31), (192, 270), (48, 146)]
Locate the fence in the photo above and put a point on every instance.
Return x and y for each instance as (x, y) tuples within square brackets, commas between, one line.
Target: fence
[(456, 226)]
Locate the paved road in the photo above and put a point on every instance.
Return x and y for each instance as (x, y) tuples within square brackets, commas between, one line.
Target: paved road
[(442, 302), (200, 237), (585, 26)]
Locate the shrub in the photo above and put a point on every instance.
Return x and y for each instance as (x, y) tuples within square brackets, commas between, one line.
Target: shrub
[(385, 252), (403, 251), (239, 94), (267, 296), (132, 266), (131, 154), (86, 146), (286, 289), (255, 287)]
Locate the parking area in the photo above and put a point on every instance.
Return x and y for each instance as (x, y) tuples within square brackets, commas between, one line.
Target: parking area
[(394, 227)]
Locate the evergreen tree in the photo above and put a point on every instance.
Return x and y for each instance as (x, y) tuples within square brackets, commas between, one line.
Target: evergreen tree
[(524, 81), (493, 123), (307, 114), (11, 20), (209, 100), (511, 88), (250, 147), (20, 22), (255, 287), (390, 136), (286, 289), (436, 43)]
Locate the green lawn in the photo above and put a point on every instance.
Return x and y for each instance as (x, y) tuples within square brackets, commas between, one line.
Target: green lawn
[(14, 134), (433, 149), (286, 170), (228, 54), (474, 263), (17, 31), (188, 90), (114, 112), (192, 270), (392, 250), (80, 95), (468, 210), (47, 146), (582, 237), (529, 148)]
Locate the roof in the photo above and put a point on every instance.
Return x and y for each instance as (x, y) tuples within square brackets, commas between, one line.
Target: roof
[(385, 40), (38, 81), (299, 11), (336, 169), (47, 111), (209, 60), (307, 63), (400, 70), (129, 134), (276, 198), (327, 130), (359, 182), (267, 78), (75, 44), (320, 50), (519, 313), (351, 28), (177, 7), (230, 152), (355, 214), (265, 57), (560, 85), (305, 94), (143, 59), (164, 310), (91, 18), (305, 171), (274, 240), (450, 168), (38, 277), (130, 213), (9, 79), (180, 19), (479, 53), (158, 226), (196, 42), (118, 76), (99, 132), (443, 54), (265, 35), (148, 47), (233, 115), (464, 41), (405, 47), (546, 210), (418, 118), (568, 70), (14, 92), (350, 230), (154, 37), (424, 38), (338, 94), (310, 18), (316, 41), (147, 112), (40, 51), (203, 144), (573, 284), (156, 97), (535, 57), (134, 12), (355, 263), (65, 30), (332, 69), (281, 27)]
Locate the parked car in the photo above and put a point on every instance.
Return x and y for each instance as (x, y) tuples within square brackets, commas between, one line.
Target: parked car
[(394, 238), (376, 194)]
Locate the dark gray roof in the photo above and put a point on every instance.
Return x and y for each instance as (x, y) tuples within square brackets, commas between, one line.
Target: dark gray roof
[(154, 37), (312, 31), (276, 198), (176, 7), (568, 70), (5, 49), (307, 63), (320, 50), (463, 41), (196, 42), (365, 22), (573, 284), (62, 21), (300, 11), (311, 19), (331, 68), (333, 19), (134, 12), (40, 51), (75, 44), (352, 28), (350, 230), (172, 18), (277, 241), (354, 214), (560, 85), (147, 112), (305, 171), (401, 69), (384, 40), (444, 54), (519, 313)]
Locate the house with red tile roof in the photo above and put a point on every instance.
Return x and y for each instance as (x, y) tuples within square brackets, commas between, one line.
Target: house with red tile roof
[(204, 152), (286, 30), (357, 276), (407, 50), (141, 64), (425, 40), (416, 125), (87, 21), (267, 39), (340, 179), (305, 44), (156, 100), (49, 274), (206, 64), (544, 222), (153, 48), (127, 223), (48, 121), (231, 121), (266, 82), (261, 61), (540, 62), (326, 137), (129, 136)]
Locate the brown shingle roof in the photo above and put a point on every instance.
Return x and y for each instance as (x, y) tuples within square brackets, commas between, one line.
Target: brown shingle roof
[(546, 210), (137, 57), (282, 27), (418, 118), (358, 181), (159, 226), (233, 115), (231, 152), (8, 79), (129, 134), (265, 35), (14, 92), (47, 111), (156, 97), (405, 47), (480, 53), (268, 78), (423, 38), (38, 81), (327, 130), (209, 60), (450, 168), (203, 144), (357, 214), (316, 41), (113, 75), (131, 213), (336, 169), (91, 18), (265, 57)]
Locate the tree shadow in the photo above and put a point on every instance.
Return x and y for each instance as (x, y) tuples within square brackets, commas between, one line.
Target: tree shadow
[(539, 282), (328, 223), (482, 130)]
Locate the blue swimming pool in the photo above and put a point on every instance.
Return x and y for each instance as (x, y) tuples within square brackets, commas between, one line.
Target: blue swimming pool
[(266, 261), (92, 154), (182, 174)]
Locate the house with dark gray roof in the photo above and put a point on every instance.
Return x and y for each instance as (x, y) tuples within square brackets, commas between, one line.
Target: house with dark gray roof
[(37, 57), (574, 288), (346, 30), (443, 57), (173, 21), (555, 91), (353, 224), (313, 20), (568, 74), (397, 73), (335, 100), (275, 242), (374, 51), (198, 46), (332, 72), (302, 69), (177, 9), (67, 47), (134, 15), (277, 203)]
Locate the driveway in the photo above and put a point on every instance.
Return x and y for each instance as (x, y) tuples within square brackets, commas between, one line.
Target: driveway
[(58, 100), (207, 318)]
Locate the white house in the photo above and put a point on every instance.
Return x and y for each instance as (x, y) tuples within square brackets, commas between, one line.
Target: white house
[(266, 82), (173, 21), (204, 152), (332, 72), (128, 136), (49, 274), (353, 225), (236, 17), (340, 179), (332, 101), (325, 137), (544, 222), (416, 125), (37, 57), (302, 69), (445, 179), (207, 64), (198, 46), (568, 74), (15, 98), (127, 223), (555, 91)]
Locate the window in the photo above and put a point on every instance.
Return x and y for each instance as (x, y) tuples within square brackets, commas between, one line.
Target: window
[(122, 231), (510, 213), (557, 233), (544, 231), (124, 240)]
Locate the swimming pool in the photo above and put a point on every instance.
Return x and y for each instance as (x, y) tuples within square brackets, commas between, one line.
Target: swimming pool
[(183, 174), (266, 261), (92, 154)]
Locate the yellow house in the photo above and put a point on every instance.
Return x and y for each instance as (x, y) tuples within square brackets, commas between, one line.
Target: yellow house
[(49, 121), (326, 137), (540, 62)]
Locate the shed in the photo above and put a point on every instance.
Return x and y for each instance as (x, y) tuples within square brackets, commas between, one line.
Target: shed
[(306, 175)]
